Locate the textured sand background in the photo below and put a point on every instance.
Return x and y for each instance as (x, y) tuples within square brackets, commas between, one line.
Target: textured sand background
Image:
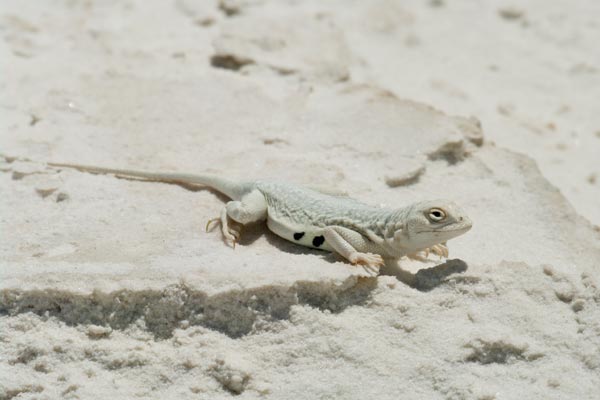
[(111, 289)]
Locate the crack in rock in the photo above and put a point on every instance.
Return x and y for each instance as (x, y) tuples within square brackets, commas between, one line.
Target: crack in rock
[(499, 352), (235, 313), (229, 61)]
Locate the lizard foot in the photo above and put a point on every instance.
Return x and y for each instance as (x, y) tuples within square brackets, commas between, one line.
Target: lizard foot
[(418, 256), (369, 261), (440, 250), (230, 229)]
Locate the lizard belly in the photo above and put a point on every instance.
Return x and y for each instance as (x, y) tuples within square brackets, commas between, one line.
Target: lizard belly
[(308, 236)]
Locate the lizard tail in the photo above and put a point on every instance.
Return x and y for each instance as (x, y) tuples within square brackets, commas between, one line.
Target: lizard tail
[(232, 189)]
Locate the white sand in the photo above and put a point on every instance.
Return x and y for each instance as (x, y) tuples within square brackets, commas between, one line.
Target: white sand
[(111, 289)]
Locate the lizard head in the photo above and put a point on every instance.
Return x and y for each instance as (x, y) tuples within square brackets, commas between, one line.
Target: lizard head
[(428, 223)]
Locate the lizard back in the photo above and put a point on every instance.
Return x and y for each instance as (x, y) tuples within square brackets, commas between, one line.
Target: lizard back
[(304, 207)]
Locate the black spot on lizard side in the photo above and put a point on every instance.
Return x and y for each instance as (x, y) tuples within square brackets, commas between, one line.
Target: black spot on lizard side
[(318, 241), (298, 235)]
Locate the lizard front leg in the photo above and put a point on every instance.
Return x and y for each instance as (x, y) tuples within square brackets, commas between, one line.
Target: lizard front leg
[(252, 207), (347, 243)]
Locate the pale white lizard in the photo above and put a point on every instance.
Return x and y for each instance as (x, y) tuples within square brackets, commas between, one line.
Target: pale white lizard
[(360, 233)]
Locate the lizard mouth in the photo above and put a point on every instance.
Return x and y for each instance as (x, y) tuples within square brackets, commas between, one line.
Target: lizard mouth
[(455, 227)]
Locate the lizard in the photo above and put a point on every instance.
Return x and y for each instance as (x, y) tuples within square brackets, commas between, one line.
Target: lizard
[(320, 219)]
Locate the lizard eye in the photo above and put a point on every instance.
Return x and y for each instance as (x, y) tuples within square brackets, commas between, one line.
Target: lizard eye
[(436, 215)]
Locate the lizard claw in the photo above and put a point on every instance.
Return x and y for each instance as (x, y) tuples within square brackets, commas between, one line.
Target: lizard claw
[(417, 257), (210, 222), (229, 229), (369, 261), (231, 235), (371, 270), (440, 249), (235, 232)]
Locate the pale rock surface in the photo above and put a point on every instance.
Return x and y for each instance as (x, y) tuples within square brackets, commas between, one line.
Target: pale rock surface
[(111, 289)]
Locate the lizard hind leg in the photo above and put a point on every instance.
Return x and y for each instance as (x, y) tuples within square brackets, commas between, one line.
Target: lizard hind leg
[(252, 207), (229, 229)]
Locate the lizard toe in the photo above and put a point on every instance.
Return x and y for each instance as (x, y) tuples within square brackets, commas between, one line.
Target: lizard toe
[(371, 262), (372, 271), (210, 222), (440, 250), (235, 230), (229, 236), (417, 257)]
